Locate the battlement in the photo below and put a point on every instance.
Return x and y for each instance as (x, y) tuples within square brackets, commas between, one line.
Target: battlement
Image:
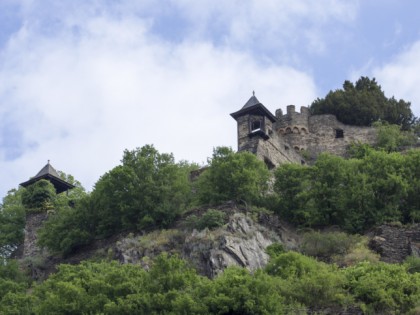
[(286, 136)]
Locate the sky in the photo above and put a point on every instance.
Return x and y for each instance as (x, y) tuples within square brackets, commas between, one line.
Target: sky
[(83, 80)]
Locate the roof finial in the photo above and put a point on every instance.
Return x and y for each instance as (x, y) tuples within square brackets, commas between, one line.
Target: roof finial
[(48, 161), (253, 93)]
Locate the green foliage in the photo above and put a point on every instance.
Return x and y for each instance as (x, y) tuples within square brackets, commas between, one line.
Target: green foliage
[(233, 176), (353, 194), (149, 188), (13, 286), (12, 222), (308, 281), (237, 292), (390, 138), (291, 283), (383, 288), (326, 246), (412, 264), (39, 196), (211, 219), (275, 249), (69, 228), (363, 103)]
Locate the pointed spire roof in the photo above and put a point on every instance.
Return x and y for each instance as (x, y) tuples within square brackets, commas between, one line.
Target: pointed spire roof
[(252, 101), (49, 173), (47, 169), (253, 106)]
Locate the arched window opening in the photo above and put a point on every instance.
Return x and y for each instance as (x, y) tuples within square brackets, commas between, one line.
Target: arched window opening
[(255, 126)]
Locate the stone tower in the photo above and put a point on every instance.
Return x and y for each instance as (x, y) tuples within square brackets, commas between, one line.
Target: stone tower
[(256, 134), (35, 220)]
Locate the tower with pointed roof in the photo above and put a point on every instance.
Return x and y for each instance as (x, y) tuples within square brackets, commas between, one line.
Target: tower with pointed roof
[(294, 137), (34, 220), (49, 173), (255, 134)]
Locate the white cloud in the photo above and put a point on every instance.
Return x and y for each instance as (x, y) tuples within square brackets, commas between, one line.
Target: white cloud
[(80, 98), (400, 77), (270, 23)]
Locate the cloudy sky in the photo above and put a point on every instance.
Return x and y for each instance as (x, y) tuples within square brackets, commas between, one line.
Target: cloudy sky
[(82, 80)]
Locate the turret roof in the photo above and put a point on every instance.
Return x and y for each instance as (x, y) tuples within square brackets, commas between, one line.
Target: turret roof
[(49, 173), (253, 106)]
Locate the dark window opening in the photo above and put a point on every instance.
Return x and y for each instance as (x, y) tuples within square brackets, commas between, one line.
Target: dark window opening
[(286, 147), (339, 133), (270, 165), (255, 126)]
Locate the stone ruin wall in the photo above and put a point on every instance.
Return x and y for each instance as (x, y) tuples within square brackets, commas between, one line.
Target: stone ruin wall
[(312, 135), (33, 222), (323, 135), (276, 151)]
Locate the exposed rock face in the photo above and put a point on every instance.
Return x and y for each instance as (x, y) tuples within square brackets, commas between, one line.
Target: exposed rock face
[(241, 243), (395, 244)]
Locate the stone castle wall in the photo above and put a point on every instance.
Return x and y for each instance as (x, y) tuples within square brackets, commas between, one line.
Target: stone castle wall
[(297, 136), (33, 222)]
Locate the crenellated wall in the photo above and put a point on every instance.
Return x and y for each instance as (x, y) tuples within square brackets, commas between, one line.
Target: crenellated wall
[(298, 136)]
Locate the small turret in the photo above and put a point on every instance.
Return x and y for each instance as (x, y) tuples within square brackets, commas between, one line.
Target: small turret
[(254, 121)]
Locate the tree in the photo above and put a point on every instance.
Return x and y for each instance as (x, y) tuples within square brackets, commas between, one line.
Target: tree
[(383, 288), (362, 104), (148, 189), (39, 196), (233, 176), (12, 222), (390, 138)]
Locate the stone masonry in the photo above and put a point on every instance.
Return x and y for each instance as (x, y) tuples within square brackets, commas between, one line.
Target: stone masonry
[(294, 137)]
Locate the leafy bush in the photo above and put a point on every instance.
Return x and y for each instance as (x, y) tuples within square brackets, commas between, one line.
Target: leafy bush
[(412, 264), (233, 176), (390, 137), (148, 189), (39, 196), (275, 249), (353, 194), (383, 288), (12, 223), (308, 281), (211, 219), (327, 245)]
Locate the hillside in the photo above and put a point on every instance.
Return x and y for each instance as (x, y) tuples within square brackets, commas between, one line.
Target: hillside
[(338, 237)]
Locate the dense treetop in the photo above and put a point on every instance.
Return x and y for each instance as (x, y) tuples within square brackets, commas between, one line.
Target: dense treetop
[(363, 103)]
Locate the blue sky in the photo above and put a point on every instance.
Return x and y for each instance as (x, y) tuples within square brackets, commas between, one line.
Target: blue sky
[(80, 81)]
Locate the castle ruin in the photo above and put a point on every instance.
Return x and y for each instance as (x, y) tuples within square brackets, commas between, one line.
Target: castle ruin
[(294, 137)]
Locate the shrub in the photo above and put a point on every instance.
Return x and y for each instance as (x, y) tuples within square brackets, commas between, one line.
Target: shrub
[(275, 249), (39, 196), (211, 219), (329, 244), (233, 176), (312, 283), (383, 288), (412, 264)]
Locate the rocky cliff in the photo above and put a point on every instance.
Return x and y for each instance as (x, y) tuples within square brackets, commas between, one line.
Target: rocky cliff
[(240, 242)]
